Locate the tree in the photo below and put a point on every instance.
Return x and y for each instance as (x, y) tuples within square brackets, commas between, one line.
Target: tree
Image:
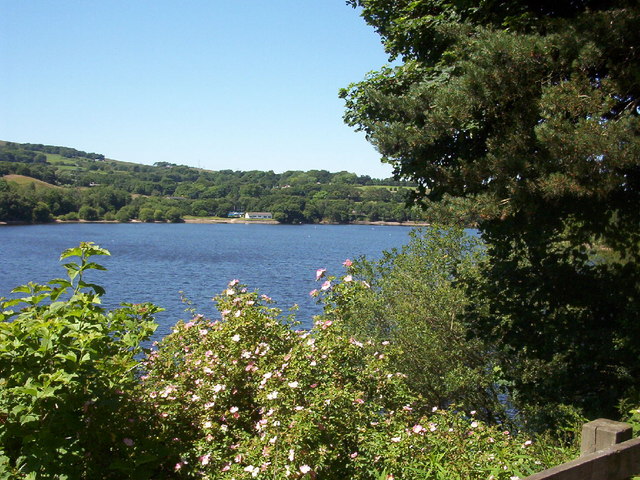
[(532, 108), (124, 215), (174, 215), (88, 213), (146, 214), (41, 213), (413, 297)]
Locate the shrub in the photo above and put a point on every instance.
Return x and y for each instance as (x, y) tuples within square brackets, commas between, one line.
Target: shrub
[(246, 396), (413, 297), (67, 378), (71, 217), (89, 213)]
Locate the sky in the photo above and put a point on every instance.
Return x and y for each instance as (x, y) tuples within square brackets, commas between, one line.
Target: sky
[(216, 84)]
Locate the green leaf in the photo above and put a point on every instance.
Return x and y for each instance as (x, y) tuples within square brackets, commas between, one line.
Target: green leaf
[(22, 289), (71, 252)]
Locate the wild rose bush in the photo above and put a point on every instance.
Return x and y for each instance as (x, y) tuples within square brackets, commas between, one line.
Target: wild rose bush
[(247, 396), (242, 396)]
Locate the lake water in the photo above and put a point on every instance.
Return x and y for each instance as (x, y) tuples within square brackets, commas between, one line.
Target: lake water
[(154, 262)]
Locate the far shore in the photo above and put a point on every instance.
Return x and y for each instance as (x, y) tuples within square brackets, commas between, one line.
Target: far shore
[(235, 220)]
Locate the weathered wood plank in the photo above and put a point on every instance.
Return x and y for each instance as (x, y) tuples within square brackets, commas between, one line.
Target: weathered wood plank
[(618, 462)]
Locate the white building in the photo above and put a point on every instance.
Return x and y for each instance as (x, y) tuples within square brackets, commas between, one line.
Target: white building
[(259, 215)]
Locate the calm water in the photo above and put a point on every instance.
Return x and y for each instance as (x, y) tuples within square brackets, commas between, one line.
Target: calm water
[(154, 262)]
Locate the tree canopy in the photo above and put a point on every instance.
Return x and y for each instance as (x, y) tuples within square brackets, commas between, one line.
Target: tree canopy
[(532, 109)]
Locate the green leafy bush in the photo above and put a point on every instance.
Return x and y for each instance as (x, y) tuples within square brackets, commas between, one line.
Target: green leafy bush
[(67, 378), (246, 396), (414, 297)]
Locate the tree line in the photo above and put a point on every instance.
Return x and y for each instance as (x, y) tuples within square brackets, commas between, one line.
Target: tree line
[(87, 189)]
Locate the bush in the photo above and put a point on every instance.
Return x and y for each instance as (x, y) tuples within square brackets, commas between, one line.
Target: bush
[(247, 396), (244, 396), (71, 217), (413, 297), (146, 214), (68, 377), (88, 213)]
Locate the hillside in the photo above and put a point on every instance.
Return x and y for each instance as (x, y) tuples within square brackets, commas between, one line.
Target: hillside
[(23, 180), (91, 186)]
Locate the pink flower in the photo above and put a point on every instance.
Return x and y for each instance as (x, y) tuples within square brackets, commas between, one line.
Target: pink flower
[(347, 263), (204, 459), (320, 273), (348, 278), (314, 292), (326, 285), (418, 429), (305, 469), (358, 400)]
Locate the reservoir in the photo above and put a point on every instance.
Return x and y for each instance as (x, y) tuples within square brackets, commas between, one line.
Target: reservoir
[(156, 262)]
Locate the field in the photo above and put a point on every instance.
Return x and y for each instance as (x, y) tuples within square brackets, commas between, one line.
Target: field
[(24, 180)]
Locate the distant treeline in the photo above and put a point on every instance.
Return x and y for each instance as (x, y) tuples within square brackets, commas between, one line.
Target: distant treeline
[(67, 152), (112, 190)]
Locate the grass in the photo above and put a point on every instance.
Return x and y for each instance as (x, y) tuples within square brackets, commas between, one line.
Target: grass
[(24, 180)]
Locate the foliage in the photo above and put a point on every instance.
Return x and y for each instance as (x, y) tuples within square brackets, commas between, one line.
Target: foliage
[(67, 378), (414, 298), (531, 108), (108, 186), (246, 396)]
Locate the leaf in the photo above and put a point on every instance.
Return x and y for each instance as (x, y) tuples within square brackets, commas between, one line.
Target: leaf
[(60, 281), (22, 289), (71, 252), (93, 266)]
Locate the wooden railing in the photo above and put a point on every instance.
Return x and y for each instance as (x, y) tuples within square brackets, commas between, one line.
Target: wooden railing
[(607, 452)]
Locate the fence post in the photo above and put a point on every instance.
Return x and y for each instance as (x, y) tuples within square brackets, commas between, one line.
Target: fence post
[(602, 433), (606, 453)]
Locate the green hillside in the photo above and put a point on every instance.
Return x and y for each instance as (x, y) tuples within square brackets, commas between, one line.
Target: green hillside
[(94, 187)]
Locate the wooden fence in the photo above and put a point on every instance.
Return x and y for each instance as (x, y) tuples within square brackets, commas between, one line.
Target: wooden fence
[(607, 452)]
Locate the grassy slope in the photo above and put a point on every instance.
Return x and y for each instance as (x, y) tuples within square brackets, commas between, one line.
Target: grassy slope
[(24, 180)]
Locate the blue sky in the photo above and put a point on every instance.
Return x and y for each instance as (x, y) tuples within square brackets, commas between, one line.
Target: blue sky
[(219, 84)]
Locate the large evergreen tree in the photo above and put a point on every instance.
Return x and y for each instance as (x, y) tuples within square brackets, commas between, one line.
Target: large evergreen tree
[(532, 108)]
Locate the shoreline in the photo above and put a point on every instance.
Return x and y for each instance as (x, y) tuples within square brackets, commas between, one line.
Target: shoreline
[(225, 221)]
